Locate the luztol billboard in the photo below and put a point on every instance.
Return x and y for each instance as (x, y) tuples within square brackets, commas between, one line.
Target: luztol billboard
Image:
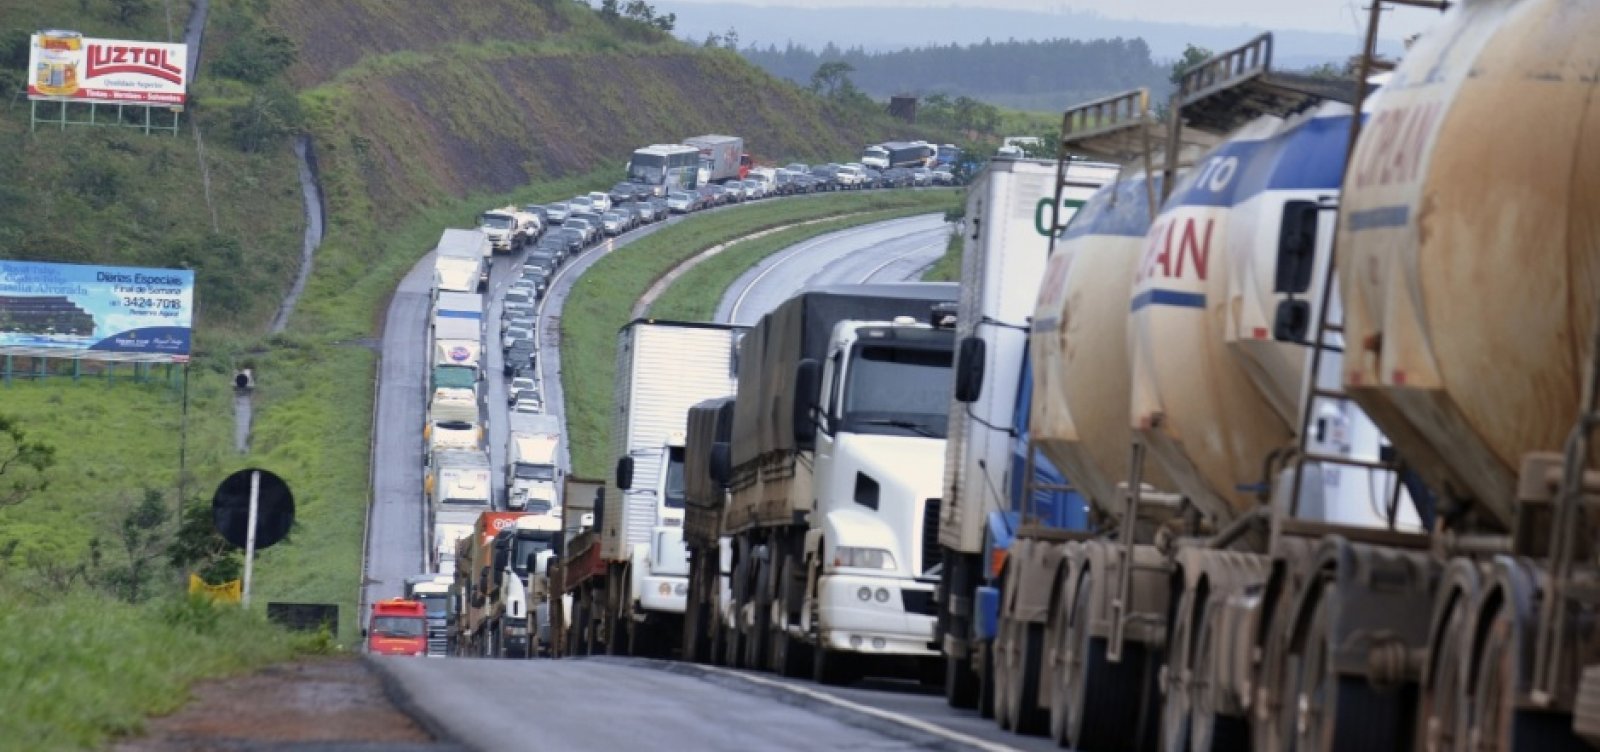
[(65, 65), (96, 312)]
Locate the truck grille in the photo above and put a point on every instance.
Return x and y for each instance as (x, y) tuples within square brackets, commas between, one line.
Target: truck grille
[(932, 555), (919, 602)]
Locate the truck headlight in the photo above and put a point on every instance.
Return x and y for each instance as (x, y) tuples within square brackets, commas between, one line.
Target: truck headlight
[(862, 558)]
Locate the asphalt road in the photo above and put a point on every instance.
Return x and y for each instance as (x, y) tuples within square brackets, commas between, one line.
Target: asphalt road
[(892, 251)]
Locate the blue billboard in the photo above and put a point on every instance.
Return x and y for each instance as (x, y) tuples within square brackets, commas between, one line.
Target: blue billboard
[(95, 312)]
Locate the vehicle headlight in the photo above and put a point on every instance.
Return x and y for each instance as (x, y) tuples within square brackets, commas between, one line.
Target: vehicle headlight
[(862, 558)]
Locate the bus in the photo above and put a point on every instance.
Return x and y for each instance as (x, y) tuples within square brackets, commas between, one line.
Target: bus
[(665, 168)]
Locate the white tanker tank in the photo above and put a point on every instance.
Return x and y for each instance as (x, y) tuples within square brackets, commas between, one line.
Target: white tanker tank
[(1470, 248), (1081, 366), (1214, 394)]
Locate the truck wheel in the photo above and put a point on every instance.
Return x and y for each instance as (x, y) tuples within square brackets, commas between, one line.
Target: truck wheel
[(828, 667), (1021, 659), (755, 641), (788, 654), (1105, 697), (1209, 729), (1336, 712), (960, 684)]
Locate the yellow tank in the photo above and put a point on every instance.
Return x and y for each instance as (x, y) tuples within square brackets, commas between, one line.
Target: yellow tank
[(1469, 243), (1079, 345), (1213, 394)]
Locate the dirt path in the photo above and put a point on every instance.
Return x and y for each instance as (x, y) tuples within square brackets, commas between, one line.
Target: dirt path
[(326, 704)]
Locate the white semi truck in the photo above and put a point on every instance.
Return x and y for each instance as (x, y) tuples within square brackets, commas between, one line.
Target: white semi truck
[(835, 463), (457, 489), (663, 368), (461, 263), (1010, 220), (533, 463)]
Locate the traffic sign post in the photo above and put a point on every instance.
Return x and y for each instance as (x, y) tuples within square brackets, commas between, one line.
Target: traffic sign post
[(253, 509)]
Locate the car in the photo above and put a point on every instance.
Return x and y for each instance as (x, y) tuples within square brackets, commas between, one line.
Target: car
[(541, 212), (735, 190), (568, 239), (615, 222), (645, 210), (536, 271), (520, 383), (529, 288), (621, 193), (528, 402), (601, 202), (679, 202), (756, 188), (921, 176), (943, 175), (579, 204), (662, 209), (590, 231), (723, 196), (518, 297), (557, 212), (513, 335), (797, 167)]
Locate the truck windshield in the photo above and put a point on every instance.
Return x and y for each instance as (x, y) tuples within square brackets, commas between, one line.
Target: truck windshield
[(898, 390), (672, 489), (435, 604), (495, 221), (648, 169), (535, 472), (396, 626), (528, 545)]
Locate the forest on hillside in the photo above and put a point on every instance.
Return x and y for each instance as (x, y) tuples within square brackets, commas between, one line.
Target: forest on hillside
[(1031, 75)]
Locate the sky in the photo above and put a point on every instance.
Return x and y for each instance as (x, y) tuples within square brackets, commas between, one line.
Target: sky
[(1343, 16)]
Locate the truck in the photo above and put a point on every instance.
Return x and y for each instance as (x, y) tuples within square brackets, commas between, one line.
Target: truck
[(707, 614), (576, 563), (432, 590), (508, 228), (456, 330), (632, 578), (1012, 211), (722, 158), (461, 261), (396, 627), (533, 463), (899, 154), (519, 617), (457, 489), (475, 592), (834, 481)]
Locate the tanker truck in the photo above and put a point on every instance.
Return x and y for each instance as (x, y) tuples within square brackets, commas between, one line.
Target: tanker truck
[(1161, 392), (835, 481), (1012, 214)]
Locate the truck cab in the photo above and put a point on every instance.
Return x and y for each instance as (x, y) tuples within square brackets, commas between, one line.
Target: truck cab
[(879, 435), (532, 475), (521, 554), (661, 568), (397, 627), (433, 592), (503, 229)]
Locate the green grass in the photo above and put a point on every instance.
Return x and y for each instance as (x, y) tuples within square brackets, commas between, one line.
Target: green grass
[(79, 670), (695, 295), (948, 267), (603, 298)]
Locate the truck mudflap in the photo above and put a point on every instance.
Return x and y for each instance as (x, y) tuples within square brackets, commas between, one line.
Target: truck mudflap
[(877, 615)]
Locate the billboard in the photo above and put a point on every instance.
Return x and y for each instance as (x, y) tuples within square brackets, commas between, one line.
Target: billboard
[(65, 65), (95, 312)]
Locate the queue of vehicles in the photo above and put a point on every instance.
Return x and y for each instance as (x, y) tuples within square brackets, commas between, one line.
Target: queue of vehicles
[(1213, 486)]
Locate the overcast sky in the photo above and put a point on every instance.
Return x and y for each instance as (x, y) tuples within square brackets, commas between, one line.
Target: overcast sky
[(1317, 15)]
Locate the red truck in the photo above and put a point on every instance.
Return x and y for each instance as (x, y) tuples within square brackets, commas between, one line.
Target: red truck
[(397, 627)]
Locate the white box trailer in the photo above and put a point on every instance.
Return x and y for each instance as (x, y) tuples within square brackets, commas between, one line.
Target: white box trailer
[(533, 463), (461, 263)]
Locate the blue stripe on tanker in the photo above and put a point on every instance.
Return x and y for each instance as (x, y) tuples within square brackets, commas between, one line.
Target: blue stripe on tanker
[(1169, 298)]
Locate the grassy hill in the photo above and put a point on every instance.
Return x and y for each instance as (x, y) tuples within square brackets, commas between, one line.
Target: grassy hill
[(420, 115)]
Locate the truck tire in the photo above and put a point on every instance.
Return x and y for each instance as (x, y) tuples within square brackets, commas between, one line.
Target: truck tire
[(960, 683), (788, 654), (1021, 652), (755, 641), (831, 667), (1105, 697)]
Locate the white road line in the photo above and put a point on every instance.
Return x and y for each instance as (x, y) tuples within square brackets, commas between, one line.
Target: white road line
[(733, 313), (887, 264), (886, 715)]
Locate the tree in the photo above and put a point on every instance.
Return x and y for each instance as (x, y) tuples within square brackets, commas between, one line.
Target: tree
[(667, 22), (128, 11), (23, 463), (608, 9), (1192, 56), (713, 40), (143, 543), (198, 547), (730, 38), (831, 78), (271, 113), (256, 55)]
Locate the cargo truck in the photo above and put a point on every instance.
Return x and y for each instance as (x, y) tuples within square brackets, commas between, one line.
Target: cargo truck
[(533, 463), (461, 262), (663, 368), (474, 592), (575, 618), (456, 331), (899, 154), (433, 592), (457, 489), (834, 475), (722, 158), (518, 615), (1011, 216), (706, 621)]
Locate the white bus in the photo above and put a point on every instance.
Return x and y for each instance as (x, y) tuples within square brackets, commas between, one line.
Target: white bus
[(665, 167)]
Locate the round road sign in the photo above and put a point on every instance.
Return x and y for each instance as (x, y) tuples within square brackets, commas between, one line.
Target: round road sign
[(230, 509)]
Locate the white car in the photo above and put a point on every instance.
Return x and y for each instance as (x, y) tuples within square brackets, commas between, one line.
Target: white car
[(527, 402), (514, 335), (580, 204), (518, 385), (602, 202)]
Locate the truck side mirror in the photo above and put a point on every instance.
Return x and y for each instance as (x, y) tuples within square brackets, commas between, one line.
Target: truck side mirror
[(625, 473), (1297, 247), (807, 376), (721, 463), (970, 364), (599, 509), (1292, 321)]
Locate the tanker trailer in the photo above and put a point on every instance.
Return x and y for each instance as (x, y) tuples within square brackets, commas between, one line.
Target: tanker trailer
[(1470, 275)]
